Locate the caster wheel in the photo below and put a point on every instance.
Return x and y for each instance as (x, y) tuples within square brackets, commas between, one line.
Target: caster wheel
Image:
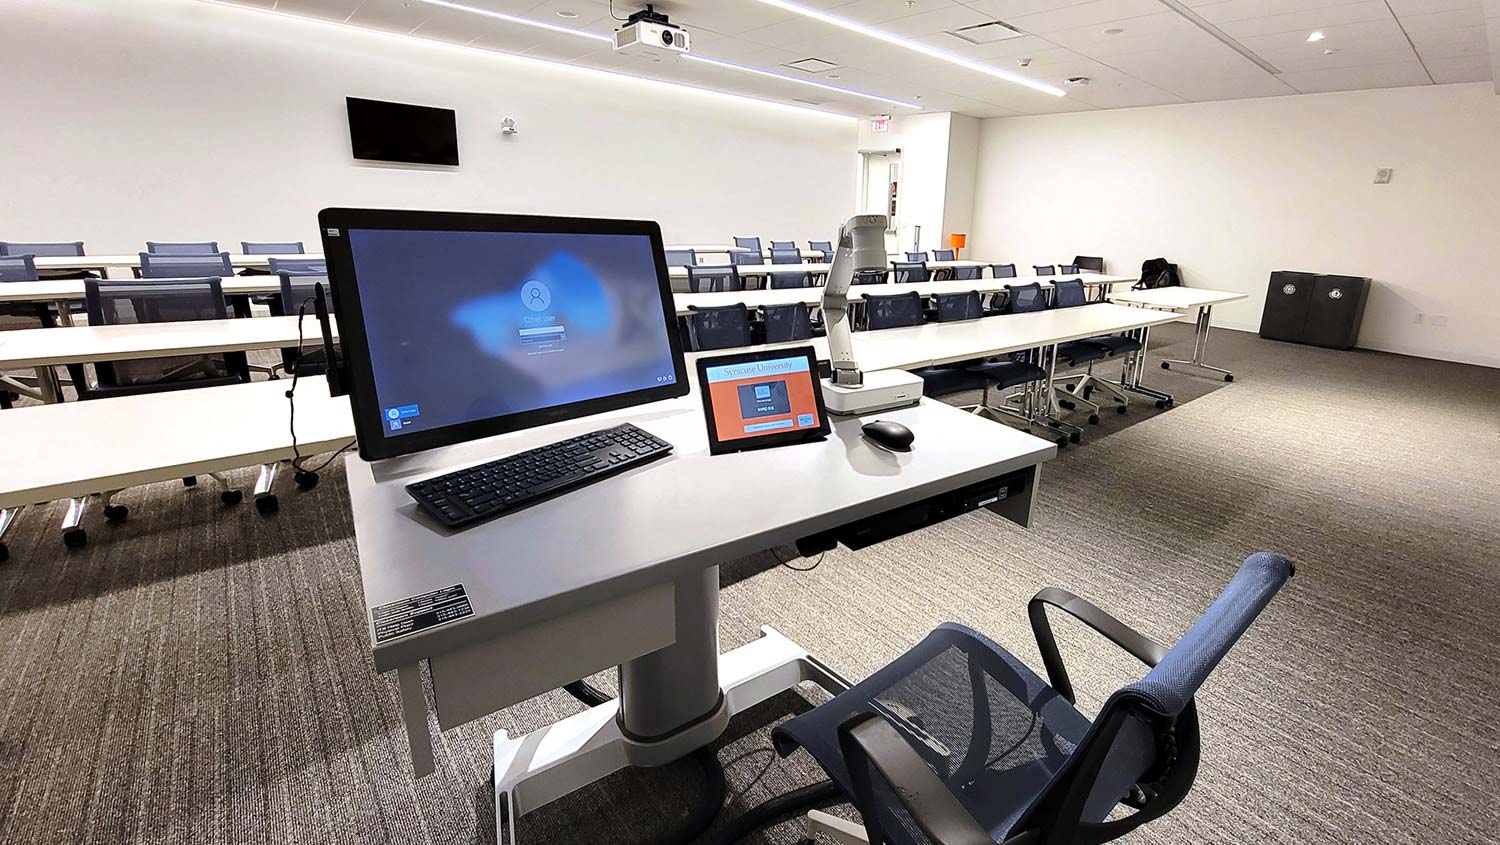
[(1062, 441), (1065, 405), (1093, 419), (1161, 403), (74, 538), (116, 513), (267, 504), (190, 481), (4, 553), (1229, 377), (1120, 409), (1076, 437), (306, 480), (1171, 403), (1166, 366), (231, 497)]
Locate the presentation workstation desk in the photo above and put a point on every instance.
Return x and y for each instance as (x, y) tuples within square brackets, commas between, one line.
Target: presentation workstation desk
[(1179, 298), (625, 573)]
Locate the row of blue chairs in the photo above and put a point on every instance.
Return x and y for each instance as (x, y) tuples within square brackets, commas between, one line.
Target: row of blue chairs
[(727, 277)]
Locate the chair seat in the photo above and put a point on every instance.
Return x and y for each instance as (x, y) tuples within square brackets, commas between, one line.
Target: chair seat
[(990, 728), (1077, 352), (1116, 344), (1005, 374), (942, 381)]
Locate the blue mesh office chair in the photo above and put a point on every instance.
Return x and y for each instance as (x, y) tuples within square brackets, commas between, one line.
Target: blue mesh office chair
[(966, 274), (910, 271), (50, 249), (714, 279), (787, 322), (717, 327), (943, 379), (752, 255), (958, 742), (1067, 269), (916, 256), (892, 311), (1021, 299), (791, 255), (271, 248), (1003, 271), (184, 266), (182, 247), (824, 247), (789, 280), (870, 277), (18, 267), (1069, 293), (296, 265), (942, 255), (775, 245), (1045, 269), (682, 258), (1091, 263)]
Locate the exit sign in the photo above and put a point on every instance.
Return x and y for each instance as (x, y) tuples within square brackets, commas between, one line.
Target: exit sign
[(881, 123)]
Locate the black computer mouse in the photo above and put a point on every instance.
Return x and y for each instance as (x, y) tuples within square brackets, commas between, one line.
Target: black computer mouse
[(889, 435)]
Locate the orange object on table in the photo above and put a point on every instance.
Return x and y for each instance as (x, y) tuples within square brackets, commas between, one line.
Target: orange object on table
[(957, 241)]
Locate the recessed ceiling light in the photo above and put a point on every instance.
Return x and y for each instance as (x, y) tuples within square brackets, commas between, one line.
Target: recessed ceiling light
[(834, 76), (1114, 30), (916, 47), (564, 13), (797, 79), (1315, 37), (1330, 51), (1076, 80), (501, 16)]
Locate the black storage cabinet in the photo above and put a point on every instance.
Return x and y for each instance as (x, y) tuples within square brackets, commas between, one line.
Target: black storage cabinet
[(1314, 308)]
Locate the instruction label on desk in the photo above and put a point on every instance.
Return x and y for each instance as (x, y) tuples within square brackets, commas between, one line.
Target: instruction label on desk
[(418, 613)]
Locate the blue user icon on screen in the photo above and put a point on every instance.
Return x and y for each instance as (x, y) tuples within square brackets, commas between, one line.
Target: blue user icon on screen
[(535, 295), (393, 413)]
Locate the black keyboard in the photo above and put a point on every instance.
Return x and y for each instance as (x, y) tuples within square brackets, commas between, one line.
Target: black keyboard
[(511, 483)]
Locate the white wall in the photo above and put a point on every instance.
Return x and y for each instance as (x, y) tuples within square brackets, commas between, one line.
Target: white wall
[(182, 120), (923, 140), (1234, 190), (963, 165)]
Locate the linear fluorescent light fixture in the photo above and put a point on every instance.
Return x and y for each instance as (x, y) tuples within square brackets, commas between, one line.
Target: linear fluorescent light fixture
[(501, 16), (916, 47), (757, 71)]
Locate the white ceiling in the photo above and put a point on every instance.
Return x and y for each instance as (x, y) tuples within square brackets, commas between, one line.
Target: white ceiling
[(1162, 56)]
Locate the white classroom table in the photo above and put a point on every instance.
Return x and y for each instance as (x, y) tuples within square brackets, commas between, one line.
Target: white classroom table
[(1178, 298), (814, 295), (105, 262)]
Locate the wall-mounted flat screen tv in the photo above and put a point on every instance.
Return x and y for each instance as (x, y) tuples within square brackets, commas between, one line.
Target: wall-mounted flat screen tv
[(381, 131)]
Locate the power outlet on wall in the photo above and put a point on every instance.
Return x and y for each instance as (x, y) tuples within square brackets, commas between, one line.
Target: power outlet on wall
[(1383, 176), (1420, 318)]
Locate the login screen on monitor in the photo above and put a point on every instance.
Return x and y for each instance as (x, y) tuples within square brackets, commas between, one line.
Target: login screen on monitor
[(465, 326), (758, 398)]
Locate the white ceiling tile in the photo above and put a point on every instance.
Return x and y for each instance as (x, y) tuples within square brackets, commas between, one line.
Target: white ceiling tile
[(1203, 89), (1007, 9), (1147, 32), (726, 17), (1220, 12), (880, 11), (1305, 22), (391, 15), (1354, 78), (328, 10), (1470, 69), (1402, 8), (1367, 35), (587, 11), (1438, 21), (939, 20), (1086, 14), (1293, 60), (1122, 94)]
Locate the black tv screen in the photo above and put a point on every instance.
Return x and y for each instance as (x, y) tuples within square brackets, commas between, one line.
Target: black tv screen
[(381, 131)]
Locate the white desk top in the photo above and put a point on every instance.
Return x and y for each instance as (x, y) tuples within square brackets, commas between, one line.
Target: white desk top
[(816, 267), (814, 295), (646, 525), (81, 344), (710, 248), (94, 262), (56, 290), (58, 451), (1177, 297)]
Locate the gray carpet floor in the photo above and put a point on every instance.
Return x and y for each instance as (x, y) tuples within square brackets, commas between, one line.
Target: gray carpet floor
[(198, 675)]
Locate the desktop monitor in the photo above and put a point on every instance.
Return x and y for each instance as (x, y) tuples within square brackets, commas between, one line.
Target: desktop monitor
[(460, 326)]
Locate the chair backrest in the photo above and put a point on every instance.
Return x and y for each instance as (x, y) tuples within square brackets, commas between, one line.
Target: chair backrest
[(1092, 263), (775, 245), (1003, 271), (871, 277), (1024, 298), (942, 255), (296, 265), (53, 249), (183, 266), (717, 327), (824, 247), (1068, 293), (1045, 269), (181, 247), (17, 268), (916, 256), (959, 306), (781, 281), (271, 248), (752, 244), (298, 290), (682, 258), (714, 279), (892, 311), (1067, 269), (116, 303), (790, 255), (910, 271), (786, 322), (743, 259), (965, 274)]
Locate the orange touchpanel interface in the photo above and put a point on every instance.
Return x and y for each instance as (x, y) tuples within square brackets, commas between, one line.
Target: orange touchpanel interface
[(758, 398)]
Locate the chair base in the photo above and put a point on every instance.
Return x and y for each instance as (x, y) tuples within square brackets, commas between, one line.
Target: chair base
[(834, 829), (546, 764)]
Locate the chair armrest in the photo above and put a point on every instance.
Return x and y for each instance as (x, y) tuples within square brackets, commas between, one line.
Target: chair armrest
[(1138, 645), (869, 742)]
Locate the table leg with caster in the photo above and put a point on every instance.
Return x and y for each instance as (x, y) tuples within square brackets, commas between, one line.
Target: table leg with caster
[(1162, 399), (72, 527), (265, 484), (113, 512), (1200, 344), (7, 516)]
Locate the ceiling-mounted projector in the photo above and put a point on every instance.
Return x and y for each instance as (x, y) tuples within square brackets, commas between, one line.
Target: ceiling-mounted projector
[(649, 33)]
